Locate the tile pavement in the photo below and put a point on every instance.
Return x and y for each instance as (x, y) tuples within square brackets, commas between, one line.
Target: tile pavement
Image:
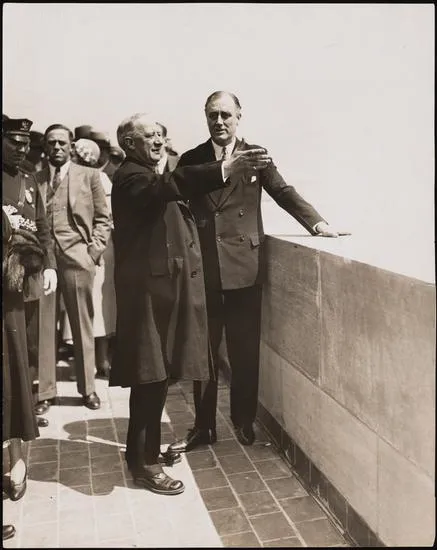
[(80, 493)]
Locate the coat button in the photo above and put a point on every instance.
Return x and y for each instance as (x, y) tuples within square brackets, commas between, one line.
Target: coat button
[(218, 238), (217, 213), (191, 245), (242, 238), (193, 273), (241, 213)]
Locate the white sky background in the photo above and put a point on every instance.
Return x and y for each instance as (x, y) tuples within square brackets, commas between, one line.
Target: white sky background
[(341, 95)]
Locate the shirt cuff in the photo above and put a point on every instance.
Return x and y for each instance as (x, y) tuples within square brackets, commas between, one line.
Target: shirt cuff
[(315, 226)]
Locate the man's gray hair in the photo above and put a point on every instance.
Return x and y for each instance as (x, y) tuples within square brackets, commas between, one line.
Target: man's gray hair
[(129, 127)]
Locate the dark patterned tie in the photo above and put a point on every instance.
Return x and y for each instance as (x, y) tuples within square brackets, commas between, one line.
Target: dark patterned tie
[(224, 154), (56, 182)]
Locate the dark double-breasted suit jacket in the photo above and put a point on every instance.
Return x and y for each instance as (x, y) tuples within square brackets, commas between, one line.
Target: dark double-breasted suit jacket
[(230, 224), (161, 311)]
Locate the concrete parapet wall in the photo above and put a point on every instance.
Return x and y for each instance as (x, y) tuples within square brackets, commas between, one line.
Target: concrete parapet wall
[(348, 372)]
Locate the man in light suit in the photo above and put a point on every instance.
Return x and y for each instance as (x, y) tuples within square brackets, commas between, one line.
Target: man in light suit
[(79, 220), (231, 236)]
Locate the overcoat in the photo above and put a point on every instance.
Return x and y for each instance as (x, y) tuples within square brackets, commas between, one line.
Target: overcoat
[(230, 223), (18, 417), (161, 328)]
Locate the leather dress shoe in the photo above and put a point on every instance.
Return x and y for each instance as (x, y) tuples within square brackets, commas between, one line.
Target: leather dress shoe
[(92, 401), (169, 458), (245, 434), (42, 422), (195, 437), (103, 372), (159, 483), (8, 531), (17, 490), (42, 406)]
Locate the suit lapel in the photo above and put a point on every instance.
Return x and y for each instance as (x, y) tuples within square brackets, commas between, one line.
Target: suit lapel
[(73, 183), (43, 179), (213, 196), (226, 192), (172, 162)]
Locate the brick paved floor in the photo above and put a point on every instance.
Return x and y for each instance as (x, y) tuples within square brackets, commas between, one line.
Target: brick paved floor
[(80, 493)]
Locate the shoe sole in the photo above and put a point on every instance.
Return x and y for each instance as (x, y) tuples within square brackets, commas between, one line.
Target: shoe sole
[(146, 485), (167, 462)]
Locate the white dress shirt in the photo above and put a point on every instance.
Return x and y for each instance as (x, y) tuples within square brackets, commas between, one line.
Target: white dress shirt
[(218, 149), (162, 162)]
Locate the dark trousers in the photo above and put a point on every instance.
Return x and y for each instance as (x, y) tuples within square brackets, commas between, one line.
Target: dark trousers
[(238, 312), (146, 403)]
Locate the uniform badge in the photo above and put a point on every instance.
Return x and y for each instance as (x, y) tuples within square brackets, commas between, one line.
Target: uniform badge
[(28, 196)]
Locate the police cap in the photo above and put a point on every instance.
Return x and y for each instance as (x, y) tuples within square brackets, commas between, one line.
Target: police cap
[(17, 126)]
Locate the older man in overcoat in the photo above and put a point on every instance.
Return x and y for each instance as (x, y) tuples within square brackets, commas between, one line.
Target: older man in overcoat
[(161, 313)]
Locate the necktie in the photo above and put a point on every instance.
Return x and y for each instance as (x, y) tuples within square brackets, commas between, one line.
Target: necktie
[(224, 154), (56, 182)]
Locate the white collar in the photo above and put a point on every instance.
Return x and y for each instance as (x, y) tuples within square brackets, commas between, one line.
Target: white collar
[(64, 169), (218, 149), (162, 162)]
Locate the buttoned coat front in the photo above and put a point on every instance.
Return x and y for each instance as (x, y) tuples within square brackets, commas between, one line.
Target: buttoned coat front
[(161, 325), (230, 223)]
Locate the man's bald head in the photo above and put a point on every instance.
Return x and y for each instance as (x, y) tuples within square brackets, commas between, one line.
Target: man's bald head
[(132, 125), (141, 138)]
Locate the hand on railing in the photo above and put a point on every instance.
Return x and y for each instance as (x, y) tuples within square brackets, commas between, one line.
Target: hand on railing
[(325, 230)]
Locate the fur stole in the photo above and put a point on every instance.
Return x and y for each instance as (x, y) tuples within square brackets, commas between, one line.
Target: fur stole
[(23, 256)]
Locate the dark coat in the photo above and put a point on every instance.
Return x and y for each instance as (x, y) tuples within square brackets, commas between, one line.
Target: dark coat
[(161, 313), (18, 417), (230, 223), (32, 209)]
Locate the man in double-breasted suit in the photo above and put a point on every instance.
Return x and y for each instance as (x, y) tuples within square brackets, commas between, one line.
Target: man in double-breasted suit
[(231, 236), (161, 327), (79, 220)]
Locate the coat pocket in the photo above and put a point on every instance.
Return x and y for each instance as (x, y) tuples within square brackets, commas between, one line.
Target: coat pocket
[(159, 267), (176, 265)]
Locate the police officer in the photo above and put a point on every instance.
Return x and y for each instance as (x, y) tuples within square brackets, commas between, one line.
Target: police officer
[(20, 191)]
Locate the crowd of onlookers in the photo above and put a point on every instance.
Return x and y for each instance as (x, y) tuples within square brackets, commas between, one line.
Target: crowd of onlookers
[(37, 329)]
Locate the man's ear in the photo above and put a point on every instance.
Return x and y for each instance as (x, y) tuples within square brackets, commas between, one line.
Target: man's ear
[(129, 142)]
